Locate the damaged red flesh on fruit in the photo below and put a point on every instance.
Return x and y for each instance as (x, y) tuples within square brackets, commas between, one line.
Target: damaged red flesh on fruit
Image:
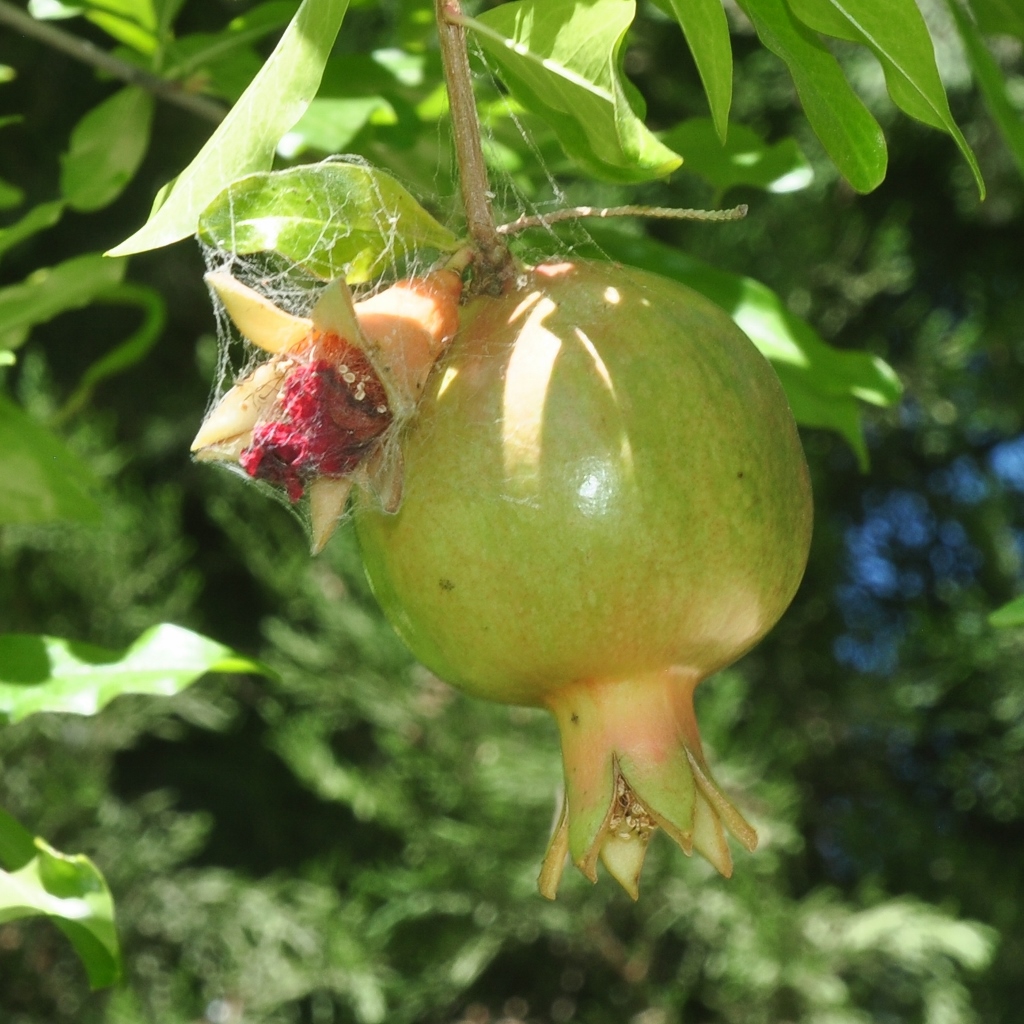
[(332, 412), (325, 408)]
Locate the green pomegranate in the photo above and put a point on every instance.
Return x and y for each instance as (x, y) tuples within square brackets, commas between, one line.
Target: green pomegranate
[(605, 500)]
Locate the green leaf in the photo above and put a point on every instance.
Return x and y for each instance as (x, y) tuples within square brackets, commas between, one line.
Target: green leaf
[(10, 195), (560, 59), (107, 147), (898, 36), (127, 353), (331, 124), (17, 844), (44, 674), (992, 84), (132, 22), (187, 55), (41, 881), (53, 290), (332, 219), (707, 34), (39, 218), (245, 141), (746, 159), (40, 480), (166, 11), (846, 129), (1011, 614), (1000, 17), (823, 384)]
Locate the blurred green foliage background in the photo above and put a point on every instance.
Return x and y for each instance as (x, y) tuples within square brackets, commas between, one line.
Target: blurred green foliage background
[(354, 841)]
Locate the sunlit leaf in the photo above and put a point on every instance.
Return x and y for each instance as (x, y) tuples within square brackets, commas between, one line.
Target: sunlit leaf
[(54, 10), (37, 880), (245, 141), (45, 674), (107, 146), (54, 290), (40, 479), (898, 36), (823, 384), (992, 84), (132, 22), (332, 219), (560, 59), (707, 34), (39, 218), (746, 159), (846, 129)]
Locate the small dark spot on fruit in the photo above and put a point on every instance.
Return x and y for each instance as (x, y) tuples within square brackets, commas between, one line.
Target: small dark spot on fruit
[(446, 584), (575, 719), (739, 475)]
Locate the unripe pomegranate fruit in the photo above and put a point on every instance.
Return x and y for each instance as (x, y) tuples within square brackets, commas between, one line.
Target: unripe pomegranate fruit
[(605, 500)]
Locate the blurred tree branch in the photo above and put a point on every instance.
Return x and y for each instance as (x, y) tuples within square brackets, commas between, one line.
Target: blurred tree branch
[(89, 53)]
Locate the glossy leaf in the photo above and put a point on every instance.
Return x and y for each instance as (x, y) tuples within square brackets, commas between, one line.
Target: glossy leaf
[(560, 59), (107, 146), (245, 141), (54, 290), (1000, 17), (37, 880), (823, 384), (44, 674), (746, 159), (332, 219), (707, 34), (41, 481), (898, 36), (39, 218), (849, 133), (992, 84)]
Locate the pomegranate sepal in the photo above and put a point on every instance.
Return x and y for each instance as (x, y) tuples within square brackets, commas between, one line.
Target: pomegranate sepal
[(623, 856), (261, 321), (327, 499), (633, 763), (557, 854)]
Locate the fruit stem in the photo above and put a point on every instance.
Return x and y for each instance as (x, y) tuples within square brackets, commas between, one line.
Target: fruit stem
[(494, 261)]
